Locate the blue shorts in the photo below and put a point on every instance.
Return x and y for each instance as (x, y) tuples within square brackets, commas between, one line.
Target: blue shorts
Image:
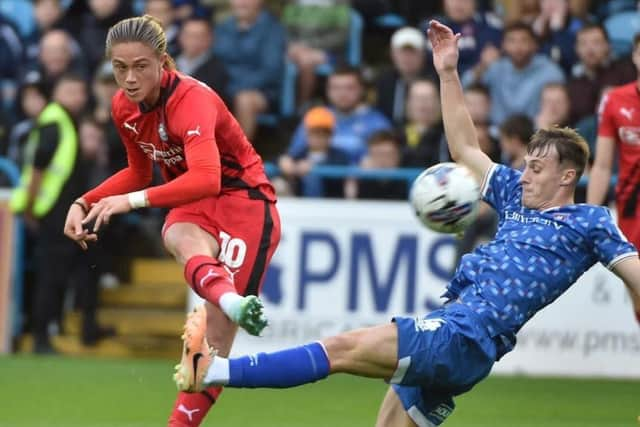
[(440, 356)]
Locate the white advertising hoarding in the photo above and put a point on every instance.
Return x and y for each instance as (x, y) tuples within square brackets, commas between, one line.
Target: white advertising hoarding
[(343, 264)]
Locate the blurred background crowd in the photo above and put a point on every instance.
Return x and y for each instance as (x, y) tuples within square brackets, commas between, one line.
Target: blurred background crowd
[(312, 83)]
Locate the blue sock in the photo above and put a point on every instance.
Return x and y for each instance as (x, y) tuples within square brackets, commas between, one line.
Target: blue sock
[(282, 369)]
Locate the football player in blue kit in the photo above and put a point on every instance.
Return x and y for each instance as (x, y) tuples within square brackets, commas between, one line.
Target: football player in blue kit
[(543, 245)]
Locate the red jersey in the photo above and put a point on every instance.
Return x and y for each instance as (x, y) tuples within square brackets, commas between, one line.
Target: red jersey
[(192, 136), (620, 119)]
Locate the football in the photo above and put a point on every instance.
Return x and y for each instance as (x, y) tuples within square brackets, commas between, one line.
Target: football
[(445, 198)]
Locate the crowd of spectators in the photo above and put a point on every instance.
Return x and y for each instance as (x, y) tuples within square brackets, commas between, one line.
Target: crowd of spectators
[(549, 61)]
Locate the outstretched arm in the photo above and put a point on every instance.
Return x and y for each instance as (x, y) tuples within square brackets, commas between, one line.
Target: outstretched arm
[(629, 271), (459, 129)]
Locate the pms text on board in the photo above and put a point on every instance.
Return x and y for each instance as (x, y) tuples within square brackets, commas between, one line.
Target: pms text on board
[(369, 267)]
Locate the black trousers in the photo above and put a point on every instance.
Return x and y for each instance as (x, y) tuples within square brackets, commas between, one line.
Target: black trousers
[(58, 264)]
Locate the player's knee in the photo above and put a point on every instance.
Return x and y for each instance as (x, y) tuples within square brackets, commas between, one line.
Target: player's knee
[(341, 350)]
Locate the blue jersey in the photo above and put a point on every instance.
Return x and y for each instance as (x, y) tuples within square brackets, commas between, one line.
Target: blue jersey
[(535, 256)]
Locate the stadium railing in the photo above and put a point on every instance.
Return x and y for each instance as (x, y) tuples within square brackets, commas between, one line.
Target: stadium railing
[(11, 171), (403, 174)]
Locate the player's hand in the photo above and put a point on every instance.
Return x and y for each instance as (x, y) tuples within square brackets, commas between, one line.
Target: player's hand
[(102, 211), (73, 227), (445, 47)]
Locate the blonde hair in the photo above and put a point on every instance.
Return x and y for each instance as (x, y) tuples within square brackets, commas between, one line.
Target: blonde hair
[(144, 29)]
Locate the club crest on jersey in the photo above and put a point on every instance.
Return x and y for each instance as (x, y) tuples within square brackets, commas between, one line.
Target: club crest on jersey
[(162, 131)]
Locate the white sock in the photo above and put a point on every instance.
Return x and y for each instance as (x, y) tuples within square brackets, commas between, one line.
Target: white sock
[(218, 373), (229, 303)]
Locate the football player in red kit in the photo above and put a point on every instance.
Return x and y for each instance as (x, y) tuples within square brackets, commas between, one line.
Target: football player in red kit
[(223, 225), (619, 131)]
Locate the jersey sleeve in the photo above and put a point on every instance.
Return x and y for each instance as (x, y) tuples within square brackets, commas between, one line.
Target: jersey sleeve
[(136, 176), (501, 186), (610, 245), (193, 119), (606, 123)]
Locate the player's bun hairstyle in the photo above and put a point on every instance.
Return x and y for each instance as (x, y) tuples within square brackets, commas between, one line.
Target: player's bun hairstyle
[(144, 29), (571, 147)]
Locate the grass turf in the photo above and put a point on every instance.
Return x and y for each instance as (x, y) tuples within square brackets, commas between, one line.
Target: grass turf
[(55, 391)]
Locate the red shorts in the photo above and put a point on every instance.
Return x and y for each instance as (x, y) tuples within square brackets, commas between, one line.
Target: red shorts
[(247, 231)]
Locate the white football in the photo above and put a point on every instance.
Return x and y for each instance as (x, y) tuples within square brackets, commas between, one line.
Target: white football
[(445, 197)]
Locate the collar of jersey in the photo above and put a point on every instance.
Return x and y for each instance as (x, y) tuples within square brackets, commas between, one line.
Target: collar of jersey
[(164, 93)]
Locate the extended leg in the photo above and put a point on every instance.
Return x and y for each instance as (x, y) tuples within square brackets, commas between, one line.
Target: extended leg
[(369, 352)]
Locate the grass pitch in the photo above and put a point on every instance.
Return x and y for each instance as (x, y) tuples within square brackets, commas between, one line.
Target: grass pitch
[(67, 392)]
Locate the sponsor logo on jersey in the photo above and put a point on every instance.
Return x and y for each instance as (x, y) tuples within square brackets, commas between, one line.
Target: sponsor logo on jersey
[(170, 157), (629, 135), (525, 219)]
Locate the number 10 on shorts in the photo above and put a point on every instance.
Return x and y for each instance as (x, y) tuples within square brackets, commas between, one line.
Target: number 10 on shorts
[(232, 250)]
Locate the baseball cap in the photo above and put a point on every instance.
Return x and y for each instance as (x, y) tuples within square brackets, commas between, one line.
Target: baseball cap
[(408, 37), (319, 117)]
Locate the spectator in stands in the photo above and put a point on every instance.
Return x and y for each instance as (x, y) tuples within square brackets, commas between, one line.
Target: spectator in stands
[(355, 120), (478, 101), (556, 28), (606, 9), (163, 11), (423, 135), (317, 34), (31, 100), (595, 70), (555, 106), (515, 81), (408, 59), (384, 151), (48, 15), (104, 87), (486, 141), (11, 60), (94, 151), (5, 129), (59, 54), (484, 227), (196, 55), (50, 162), (95, 24), (319, 123), (185, 9), (251, 43), (412, 11), (515, 133), (519, 11), (481, 33), (93, 165)]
